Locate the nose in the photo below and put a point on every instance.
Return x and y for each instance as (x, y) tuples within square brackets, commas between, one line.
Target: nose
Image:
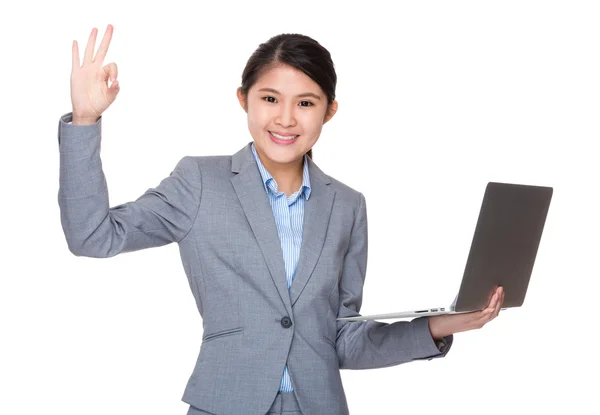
[(286, 118)]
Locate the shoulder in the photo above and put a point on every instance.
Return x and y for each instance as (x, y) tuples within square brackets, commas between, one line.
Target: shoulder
[(346, 194), (343, 192), (208, 162), (207, 166)]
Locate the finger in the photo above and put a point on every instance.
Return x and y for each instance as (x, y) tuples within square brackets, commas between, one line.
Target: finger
[(75, 56), (114, 90), (486, 316), (501, 295), (500, 304), (494, 297), (89, 49), (111, 71), (493, 301), (103, 48), (496, 311), (475, 316)]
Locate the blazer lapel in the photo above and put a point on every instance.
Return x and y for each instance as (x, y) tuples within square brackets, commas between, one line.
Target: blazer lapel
[(250, 191), (317, 210)]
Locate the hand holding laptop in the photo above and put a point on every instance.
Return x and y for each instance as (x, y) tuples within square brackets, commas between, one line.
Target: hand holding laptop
[(445, 325), (503, 251)]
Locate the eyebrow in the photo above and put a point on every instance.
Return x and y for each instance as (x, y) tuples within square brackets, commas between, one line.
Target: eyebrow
[(306, 94)]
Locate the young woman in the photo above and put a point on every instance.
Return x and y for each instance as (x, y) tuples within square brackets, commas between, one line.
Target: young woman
[(274, 249)]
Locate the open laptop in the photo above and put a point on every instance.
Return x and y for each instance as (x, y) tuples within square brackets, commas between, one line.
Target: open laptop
[(503, 250)]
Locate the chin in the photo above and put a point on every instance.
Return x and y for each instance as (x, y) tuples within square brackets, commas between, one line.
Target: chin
[(282, 154)]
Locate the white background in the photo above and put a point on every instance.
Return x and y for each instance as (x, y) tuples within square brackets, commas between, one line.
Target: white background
[(435, 100)]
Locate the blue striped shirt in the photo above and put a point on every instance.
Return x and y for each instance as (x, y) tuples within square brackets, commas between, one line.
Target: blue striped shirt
[(289, 218)]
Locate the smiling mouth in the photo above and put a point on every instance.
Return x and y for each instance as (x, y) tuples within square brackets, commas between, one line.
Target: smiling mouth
[(283, 137)]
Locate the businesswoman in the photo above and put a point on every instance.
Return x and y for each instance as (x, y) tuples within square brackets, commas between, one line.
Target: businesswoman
[(273, 248)]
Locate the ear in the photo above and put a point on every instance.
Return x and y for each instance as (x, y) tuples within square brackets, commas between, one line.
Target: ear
[(331, 111), (242, 99)]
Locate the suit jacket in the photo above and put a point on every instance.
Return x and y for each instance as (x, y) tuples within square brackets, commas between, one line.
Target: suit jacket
[(217, 211)]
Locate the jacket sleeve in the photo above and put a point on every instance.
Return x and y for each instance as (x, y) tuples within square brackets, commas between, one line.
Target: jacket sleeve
[(370, 344), (162, 215)]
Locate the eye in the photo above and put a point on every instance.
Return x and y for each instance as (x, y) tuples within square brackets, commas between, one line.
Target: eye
[(267, 97)]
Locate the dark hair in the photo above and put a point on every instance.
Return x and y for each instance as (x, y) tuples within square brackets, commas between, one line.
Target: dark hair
[(298, 51)]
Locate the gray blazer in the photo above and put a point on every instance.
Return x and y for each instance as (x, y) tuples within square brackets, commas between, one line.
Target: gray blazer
[(217, 211)]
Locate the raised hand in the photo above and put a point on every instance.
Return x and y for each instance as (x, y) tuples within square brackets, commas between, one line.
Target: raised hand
[(90, 93)]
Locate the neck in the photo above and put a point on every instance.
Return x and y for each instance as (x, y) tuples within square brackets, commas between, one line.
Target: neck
[(287, 175)]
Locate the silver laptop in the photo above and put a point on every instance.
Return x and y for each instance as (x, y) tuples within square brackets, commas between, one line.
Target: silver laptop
[(503, 250)]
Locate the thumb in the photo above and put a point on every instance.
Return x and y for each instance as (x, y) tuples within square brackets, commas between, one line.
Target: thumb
[(113, 91)]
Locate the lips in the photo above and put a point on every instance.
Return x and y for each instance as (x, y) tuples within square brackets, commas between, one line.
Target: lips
[(283, 140), (283, 136)]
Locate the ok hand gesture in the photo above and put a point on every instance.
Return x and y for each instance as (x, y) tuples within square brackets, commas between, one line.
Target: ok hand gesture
[(90, 93)]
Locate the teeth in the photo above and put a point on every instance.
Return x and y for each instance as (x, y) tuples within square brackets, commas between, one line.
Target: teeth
[(282, 137)]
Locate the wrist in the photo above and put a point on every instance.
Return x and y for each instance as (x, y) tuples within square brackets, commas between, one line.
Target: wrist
[(436, 333), (84, 120)]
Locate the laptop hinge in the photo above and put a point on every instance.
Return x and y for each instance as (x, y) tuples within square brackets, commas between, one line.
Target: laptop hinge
[(453, 305)]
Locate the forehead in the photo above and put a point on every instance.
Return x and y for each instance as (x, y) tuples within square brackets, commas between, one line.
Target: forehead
[(287, 80)]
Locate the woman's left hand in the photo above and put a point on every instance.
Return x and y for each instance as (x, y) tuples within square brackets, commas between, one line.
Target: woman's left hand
[(445, 325)]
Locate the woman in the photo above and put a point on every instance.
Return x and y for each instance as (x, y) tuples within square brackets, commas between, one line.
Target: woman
[(274, 249)]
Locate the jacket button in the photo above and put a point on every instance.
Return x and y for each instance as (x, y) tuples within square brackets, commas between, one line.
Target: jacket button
[(286, 322)]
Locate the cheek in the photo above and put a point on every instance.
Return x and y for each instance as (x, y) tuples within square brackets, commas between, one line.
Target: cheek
[(258, 119), (312, 125), (312, 119)]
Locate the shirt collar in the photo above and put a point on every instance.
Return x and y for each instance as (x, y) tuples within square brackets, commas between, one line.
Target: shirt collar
[(267, 178)]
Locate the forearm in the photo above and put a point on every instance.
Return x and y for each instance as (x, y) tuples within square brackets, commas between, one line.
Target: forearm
[(371, 344), (82, 195)]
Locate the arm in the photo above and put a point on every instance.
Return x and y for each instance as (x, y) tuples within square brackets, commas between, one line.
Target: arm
[(162, 215), (371, 344)]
